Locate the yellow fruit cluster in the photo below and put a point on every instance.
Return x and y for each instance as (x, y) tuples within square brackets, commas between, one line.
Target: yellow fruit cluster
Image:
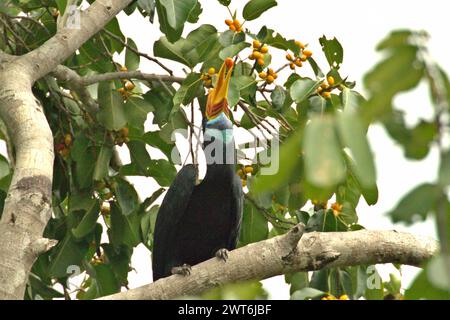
[(234, 25), (331, 297), (337, 208), (128, 86), (121, 136), (243, 173), (297, 60), (326, 87), (269, 76), (63, 148), (259, 50), (207, 77)]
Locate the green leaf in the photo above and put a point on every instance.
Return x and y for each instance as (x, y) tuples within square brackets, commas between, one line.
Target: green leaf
[(102, 165), (254, 225), (125, 229), (190, 87), (324, 166), (395, 39), (444, 170), (139, 156), (333, 51), (233, 50), (68, 252), (230, 37), (126, 196), (289, 160), (137, 110), (165, 49), (177, 11), (224, 2), (105, 279), (420, 139), (254, 8), (111, 114), (190, 51), (4, 167), (267, 36), (307, 294), (87, 224), (353, 136), (401, 71), (417, 203), (422, 288), (301, 89), (132, 60), (351, 100)]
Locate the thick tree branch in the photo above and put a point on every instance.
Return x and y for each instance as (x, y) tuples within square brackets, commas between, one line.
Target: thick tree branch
[(88, 80), (27, 207), (282, 254), (66, 41)]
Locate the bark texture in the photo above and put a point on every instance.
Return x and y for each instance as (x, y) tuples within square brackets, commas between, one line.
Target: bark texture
[(28, 204), (285, 253)]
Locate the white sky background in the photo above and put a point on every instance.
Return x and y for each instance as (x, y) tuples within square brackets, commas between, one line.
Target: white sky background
[(359, 26)]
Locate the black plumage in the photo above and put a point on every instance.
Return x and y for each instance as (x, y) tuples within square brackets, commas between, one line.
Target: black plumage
[(194, 221)]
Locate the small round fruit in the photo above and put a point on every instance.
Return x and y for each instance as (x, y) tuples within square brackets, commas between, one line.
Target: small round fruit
[(298, 63), (256, 44), (237, 24), (229, 62), (208, 83), (251, 56), (129, 85), (275, 75), (292, 66), (262, 75), (65, 152), (319, 90), (326, 95), (323, 85), (67, 139), (232, 27), (270, 70), (300, 44), (248, 169), (240, 173), (211, 71), (307, 53), (59, 147), (260, 61), (228, 22), (123, 69), (124, 132), (270, 79), (121, 90), (264, 49), (257, 55), (303, 58), (344, 297), (244, 183), (288, 57), (330, 80)]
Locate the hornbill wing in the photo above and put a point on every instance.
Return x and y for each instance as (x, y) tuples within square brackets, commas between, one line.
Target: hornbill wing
[(237, 204), (172, 208)]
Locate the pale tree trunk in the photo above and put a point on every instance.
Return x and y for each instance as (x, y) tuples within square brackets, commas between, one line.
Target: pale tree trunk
[(28, 203)]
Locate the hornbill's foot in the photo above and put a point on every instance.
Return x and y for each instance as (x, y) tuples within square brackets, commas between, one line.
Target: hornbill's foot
[(184, 270), (222, 254)]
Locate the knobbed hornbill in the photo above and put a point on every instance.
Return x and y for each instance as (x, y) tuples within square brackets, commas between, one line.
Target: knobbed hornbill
[(197, 220)]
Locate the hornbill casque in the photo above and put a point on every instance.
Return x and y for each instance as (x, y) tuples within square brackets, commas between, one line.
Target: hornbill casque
[(199, 220)]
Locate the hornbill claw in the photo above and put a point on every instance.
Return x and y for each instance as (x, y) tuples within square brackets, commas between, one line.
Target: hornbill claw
[(222, 254), (184, 270)]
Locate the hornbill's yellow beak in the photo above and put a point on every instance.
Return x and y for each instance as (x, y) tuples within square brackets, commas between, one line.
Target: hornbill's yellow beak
[(217, 97)]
